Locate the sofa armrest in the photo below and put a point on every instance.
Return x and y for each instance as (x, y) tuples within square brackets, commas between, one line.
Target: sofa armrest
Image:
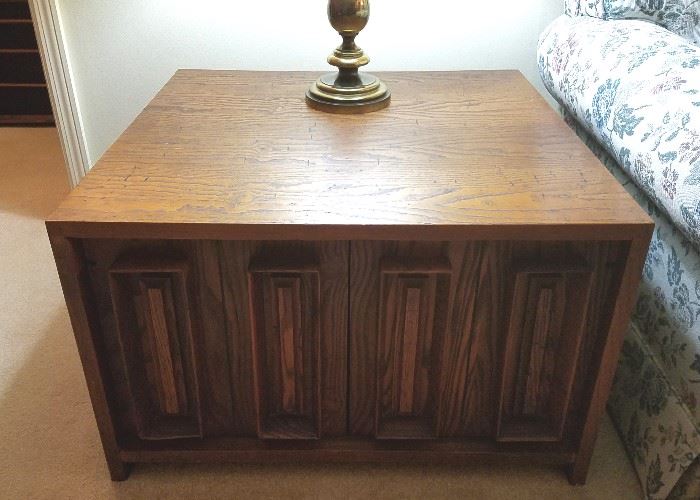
[(636, 88), (592, 8), (679, 16)]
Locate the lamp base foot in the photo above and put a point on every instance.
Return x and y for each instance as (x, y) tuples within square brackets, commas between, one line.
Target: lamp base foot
[(348, 93), (348, 108)]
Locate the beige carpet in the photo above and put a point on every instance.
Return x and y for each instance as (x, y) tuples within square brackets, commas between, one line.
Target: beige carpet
[(49, 445)]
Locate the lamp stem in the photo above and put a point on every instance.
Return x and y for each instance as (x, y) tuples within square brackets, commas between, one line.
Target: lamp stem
[(348, 90)]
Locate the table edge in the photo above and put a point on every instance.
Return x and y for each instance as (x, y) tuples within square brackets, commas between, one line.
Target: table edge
[(334, 232)]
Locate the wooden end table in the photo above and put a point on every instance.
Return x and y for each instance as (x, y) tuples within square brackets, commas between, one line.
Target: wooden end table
[(446, 280)]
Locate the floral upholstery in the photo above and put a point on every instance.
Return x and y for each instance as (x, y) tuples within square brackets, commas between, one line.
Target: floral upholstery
[(636, 88), (631, 89), (655, 400), (679, 16)]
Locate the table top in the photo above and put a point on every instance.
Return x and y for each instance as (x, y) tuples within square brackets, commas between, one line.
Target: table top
[(239, 155)]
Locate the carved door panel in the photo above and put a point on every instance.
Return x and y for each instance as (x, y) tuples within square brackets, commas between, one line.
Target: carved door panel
[(223, 338), (473, 339), (286, 313), (152, 309), (424, 338), (412, 312), (162, 324), (285, 308), (394, 340), (547, 315)]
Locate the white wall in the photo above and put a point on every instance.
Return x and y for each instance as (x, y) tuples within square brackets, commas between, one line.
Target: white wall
[(122, 51)]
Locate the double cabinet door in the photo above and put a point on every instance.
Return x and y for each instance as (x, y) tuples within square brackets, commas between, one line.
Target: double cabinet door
[(385, 340)]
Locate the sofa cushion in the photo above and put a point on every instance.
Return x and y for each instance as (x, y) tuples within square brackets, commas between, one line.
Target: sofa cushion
[(655, 400), (635, 87), (680, 16), (667, 313)]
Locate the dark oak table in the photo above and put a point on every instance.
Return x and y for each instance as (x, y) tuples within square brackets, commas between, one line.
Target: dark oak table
[(448, 279)]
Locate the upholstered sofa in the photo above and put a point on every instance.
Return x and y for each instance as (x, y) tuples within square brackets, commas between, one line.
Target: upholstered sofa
[(627, 76)]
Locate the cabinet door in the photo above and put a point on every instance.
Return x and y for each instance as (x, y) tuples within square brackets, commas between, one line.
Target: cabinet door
[(162, 322), (286, 313), (476, 339), (425, 332), (211, 338), (152, 310), (546, 318), (413, 298)]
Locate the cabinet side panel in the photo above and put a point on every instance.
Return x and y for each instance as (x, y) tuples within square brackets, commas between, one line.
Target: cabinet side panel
[(80, 298)]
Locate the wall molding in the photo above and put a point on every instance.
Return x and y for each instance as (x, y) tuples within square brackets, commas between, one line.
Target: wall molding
[(60, 83)]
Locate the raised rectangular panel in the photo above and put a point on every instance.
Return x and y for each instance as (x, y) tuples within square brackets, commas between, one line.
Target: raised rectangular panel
[(411, 328), (285, 312), (544, 335), (151, 308)]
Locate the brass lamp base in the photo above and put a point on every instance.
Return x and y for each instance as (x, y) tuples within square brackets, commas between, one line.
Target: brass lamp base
[(361, 93), (348, 91)]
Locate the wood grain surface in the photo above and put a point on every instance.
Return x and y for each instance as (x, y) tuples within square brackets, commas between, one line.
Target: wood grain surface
[(321, 374), (457, 155), (205, 307), (466, 375), (285, 310), (547, 315), (154, 327), (410, 335)]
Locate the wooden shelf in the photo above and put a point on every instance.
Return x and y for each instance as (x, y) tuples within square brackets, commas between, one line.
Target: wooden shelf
[(24, 99), (19, 51), (42, 120), (14, 9), (23, 85)]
